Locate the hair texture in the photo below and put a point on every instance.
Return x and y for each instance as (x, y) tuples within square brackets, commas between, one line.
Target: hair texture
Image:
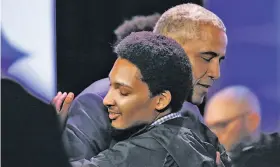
[(136, 24), (183, 22), (162, 62)]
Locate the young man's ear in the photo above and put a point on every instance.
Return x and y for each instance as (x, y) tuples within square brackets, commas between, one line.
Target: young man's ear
[(163, 100)]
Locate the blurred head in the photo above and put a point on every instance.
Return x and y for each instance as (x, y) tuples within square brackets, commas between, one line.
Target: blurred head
[(233, 114), (151, 76), (136, 24), (202, 35)]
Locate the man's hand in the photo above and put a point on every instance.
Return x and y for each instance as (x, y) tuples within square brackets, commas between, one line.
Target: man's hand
[(62, 103)]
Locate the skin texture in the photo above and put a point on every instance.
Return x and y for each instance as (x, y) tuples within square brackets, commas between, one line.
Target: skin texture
[(64, 100), (128, 100), (206, 54)]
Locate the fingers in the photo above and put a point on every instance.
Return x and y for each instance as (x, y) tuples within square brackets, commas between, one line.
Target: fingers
[(55, 98), (58, 100), (53, 102), (67, 102), (65, 108)]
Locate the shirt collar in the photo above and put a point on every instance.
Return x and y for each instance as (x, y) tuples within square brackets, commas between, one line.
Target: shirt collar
[(166, 118)]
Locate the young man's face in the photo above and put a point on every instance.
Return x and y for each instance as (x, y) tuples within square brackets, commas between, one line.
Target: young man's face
[(205, 55), (128, 100)]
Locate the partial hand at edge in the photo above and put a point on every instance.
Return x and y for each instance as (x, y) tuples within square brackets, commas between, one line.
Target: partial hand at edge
[(62, 102)]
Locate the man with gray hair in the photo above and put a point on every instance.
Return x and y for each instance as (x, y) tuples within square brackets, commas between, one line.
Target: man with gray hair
[(234, 115), (203, 37)]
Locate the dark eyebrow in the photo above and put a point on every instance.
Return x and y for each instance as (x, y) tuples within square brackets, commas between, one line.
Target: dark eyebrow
[(123, 84), (120, 84), (214, 54)]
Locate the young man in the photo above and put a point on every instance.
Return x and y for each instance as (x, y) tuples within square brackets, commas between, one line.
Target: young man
[(87, 129), (148, 85), (202, 35)]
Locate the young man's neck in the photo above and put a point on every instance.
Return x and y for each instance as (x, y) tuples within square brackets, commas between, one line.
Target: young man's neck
[(162, 114)]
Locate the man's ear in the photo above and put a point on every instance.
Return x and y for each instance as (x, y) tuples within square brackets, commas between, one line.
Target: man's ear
[(254, 121), (163, 100)]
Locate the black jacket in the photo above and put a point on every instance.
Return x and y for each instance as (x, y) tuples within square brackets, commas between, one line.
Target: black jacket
[(264, 153), (177, 142)]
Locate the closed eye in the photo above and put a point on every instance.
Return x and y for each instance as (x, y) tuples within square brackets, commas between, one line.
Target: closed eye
[(208, 56), (124, 93), (207, 59)]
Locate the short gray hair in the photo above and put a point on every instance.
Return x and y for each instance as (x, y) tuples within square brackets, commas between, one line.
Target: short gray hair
[(182, 22)]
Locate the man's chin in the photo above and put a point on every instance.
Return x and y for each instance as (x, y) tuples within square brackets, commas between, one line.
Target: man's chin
[(197, 100), (116, 126), (120, 134)]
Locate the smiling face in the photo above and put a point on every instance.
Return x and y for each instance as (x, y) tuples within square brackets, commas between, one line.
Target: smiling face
[(149, 80), (206, 54), (128, 100)]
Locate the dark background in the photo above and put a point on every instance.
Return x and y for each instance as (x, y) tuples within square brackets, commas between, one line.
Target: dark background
[(85, 36)]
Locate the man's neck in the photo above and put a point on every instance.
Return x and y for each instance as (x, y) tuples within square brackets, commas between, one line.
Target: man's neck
[(123, 134), (162, 114)]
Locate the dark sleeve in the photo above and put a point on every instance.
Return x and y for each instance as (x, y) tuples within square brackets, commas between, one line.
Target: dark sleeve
[(87, 128), (137, 153)]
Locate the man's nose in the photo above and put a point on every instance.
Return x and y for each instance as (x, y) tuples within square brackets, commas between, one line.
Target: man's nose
[(214, 70), (108, 99)]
